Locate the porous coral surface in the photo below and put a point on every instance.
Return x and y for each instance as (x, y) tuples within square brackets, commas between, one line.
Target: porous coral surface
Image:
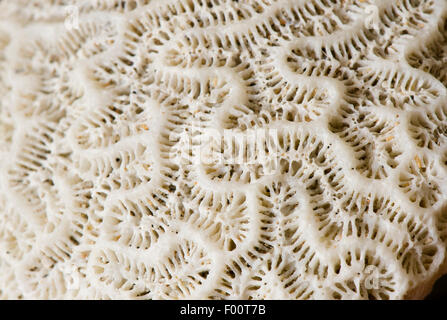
[(323, 175)]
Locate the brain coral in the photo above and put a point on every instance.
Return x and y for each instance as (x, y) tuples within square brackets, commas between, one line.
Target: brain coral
[(220, 149)]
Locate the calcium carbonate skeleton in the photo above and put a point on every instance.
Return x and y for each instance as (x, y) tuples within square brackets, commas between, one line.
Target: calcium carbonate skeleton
[(214, 149)]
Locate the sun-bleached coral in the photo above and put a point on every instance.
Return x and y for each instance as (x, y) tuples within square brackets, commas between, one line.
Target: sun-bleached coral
[(220, 149)]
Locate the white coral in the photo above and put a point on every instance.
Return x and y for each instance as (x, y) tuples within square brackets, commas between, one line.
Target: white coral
[(324, 168)]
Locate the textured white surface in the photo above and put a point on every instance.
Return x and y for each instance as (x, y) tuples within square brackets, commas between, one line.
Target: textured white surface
[(102, 193)]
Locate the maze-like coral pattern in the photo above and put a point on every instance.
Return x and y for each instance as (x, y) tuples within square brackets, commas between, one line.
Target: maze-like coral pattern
[(108, 191)]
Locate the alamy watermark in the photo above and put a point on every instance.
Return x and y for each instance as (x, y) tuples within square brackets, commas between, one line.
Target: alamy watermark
[(71, 21), (256, 149)]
